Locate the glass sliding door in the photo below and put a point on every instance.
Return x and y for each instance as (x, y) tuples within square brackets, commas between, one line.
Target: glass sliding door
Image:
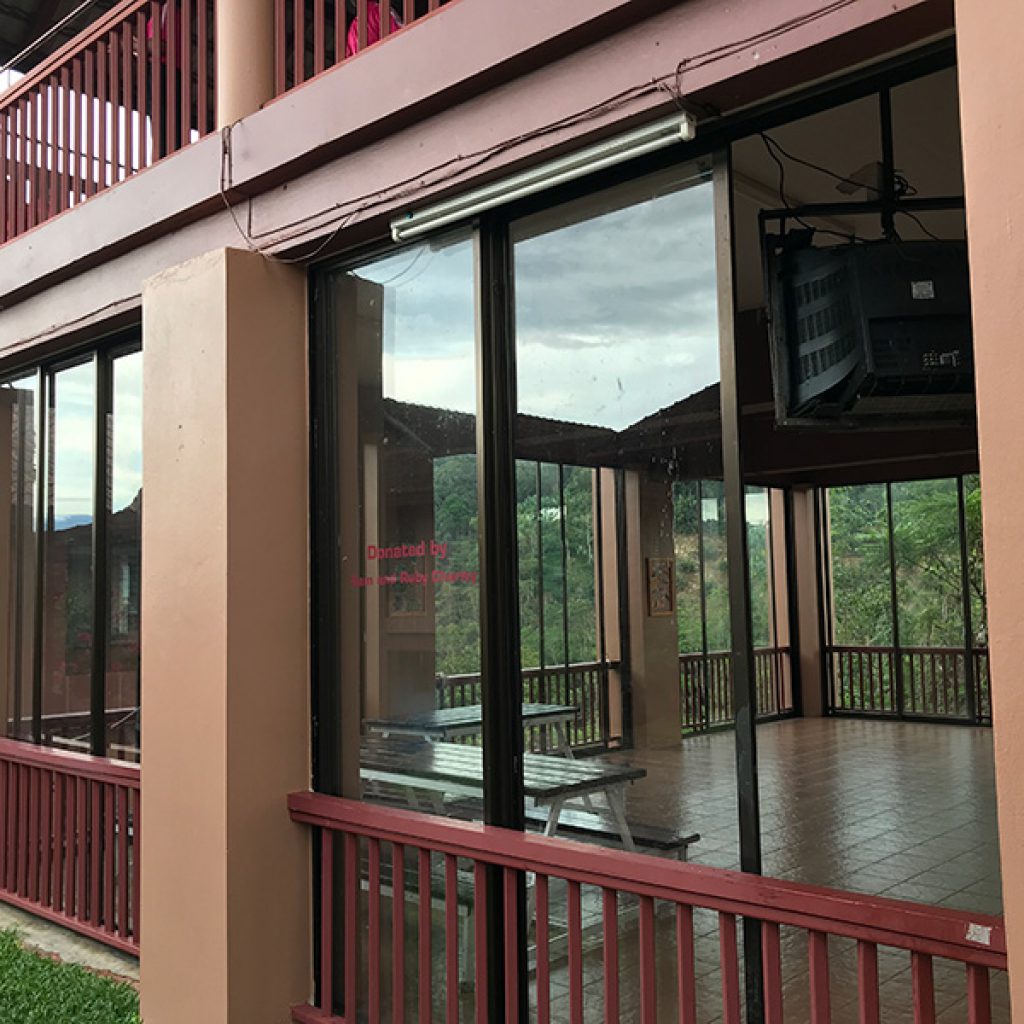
[(19, 420), (123, 550), (402, 342), (70, 579), (617, 376), (68, 583)]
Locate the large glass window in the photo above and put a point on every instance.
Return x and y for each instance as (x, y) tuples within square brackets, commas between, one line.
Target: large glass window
[(19, 408), (71, 671), (906, 601), (403, 342), (68, 579), (624, 559), (124, 548)]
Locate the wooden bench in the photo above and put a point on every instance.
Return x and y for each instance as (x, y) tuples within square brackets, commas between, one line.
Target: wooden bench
[(601, 828), (594, 826)]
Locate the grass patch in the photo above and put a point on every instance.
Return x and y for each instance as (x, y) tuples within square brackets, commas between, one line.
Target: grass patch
[(35, 990)]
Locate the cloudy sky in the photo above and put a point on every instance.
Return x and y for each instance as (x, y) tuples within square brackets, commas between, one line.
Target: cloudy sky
[(74, 433), (616, 314)]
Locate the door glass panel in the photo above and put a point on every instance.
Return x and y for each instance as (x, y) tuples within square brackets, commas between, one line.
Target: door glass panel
[(929, 596), (19, 410), (620, 510), (123, 554), (404, 337), (67, 619)]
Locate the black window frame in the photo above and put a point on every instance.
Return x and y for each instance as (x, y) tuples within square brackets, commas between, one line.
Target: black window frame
[(101, 354)]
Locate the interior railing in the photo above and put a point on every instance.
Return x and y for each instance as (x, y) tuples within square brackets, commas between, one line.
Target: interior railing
[(921, 682)]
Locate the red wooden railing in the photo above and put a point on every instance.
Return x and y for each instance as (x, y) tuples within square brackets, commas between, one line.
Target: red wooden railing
[(314, 35), (864, 680), (594, 905), (582, 684), (69, 840), (134, 87), (706, 684)]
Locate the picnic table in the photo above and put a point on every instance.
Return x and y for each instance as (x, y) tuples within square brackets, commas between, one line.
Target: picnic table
[(447, 770), (454, 723)]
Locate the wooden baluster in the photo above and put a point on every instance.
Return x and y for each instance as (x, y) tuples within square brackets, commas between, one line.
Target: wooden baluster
[(451, 938), (96, 854), (361, 24), (327, 920), (686, 965), (543, 952), (185, 61), (480, 941), (574, 926), (33, 776), (923, 985), (979, 1000), (373, 929), (772, 972), (867, 983), (821, 998), (123, 863), (426, 960), (109, 860), (351, 911), (511, 907), (730, 968), (610, 954), (648, 964)]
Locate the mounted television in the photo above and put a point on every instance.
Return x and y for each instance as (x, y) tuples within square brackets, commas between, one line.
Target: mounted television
[(873, 333)]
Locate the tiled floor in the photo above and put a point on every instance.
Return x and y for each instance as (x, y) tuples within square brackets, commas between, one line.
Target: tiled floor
[(896, 809), (904, 810)]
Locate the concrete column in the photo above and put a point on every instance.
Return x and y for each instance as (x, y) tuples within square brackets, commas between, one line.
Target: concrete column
[(225, 643), (808, 588), (245, 58), (991, 83), (654, 642)]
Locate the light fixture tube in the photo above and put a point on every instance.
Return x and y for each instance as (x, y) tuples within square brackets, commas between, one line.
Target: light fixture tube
[(678, 128)]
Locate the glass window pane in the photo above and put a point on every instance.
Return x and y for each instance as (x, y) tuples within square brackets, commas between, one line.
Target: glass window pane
[(929, 596), (759, 554), (858, 539), (618, 381), (123, 555), (19, 412), (404, 331), (67, 620)]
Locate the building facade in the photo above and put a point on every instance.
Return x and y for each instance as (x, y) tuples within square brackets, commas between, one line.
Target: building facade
[(493, 560)]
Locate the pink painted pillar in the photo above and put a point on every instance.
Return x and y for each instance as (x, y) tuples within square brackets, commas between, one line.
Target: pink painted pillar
[(991, 75)]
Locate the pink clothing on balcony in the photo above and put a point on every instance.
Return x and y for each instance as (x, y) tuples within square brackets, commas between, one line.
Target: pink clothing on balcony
[(164, 35), (372, 29)]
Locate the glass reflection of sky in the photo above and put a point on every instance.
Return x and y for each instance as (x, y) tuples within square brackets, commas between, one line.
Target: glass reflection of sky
[(73, 445), (126, 456), (429, 325), (617, 315)]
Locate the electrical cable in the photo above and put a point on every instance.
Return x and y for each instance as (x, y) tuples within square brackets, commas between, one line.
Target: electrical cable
[(770, 141), (852, 238), (462, 164), (920, 223)]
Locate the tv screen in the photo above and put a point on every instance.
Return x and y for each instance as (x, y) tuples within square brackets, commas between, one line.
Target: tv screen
[(874, 332)]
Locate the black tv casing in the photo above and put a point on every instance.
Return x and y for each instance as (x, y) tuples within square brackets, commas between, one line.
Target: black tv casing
[(875, 333)]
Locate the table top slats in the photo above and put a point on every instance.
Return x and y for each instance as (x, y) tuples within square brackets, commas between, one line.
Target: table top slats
[(544, 776), (442, 720)]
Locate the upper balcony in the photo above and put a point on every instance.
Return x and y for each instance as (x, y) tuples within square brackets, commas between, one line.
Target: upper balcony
[(89, 104)]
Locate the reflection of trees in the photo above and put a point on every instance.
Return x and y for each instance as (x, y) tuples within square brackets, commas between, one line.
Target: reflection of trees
[(927, 551)]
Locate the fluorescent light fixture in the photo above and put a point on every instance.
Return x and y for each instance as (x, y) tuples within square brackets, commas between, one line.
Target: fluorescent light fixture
[(667, 132)]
